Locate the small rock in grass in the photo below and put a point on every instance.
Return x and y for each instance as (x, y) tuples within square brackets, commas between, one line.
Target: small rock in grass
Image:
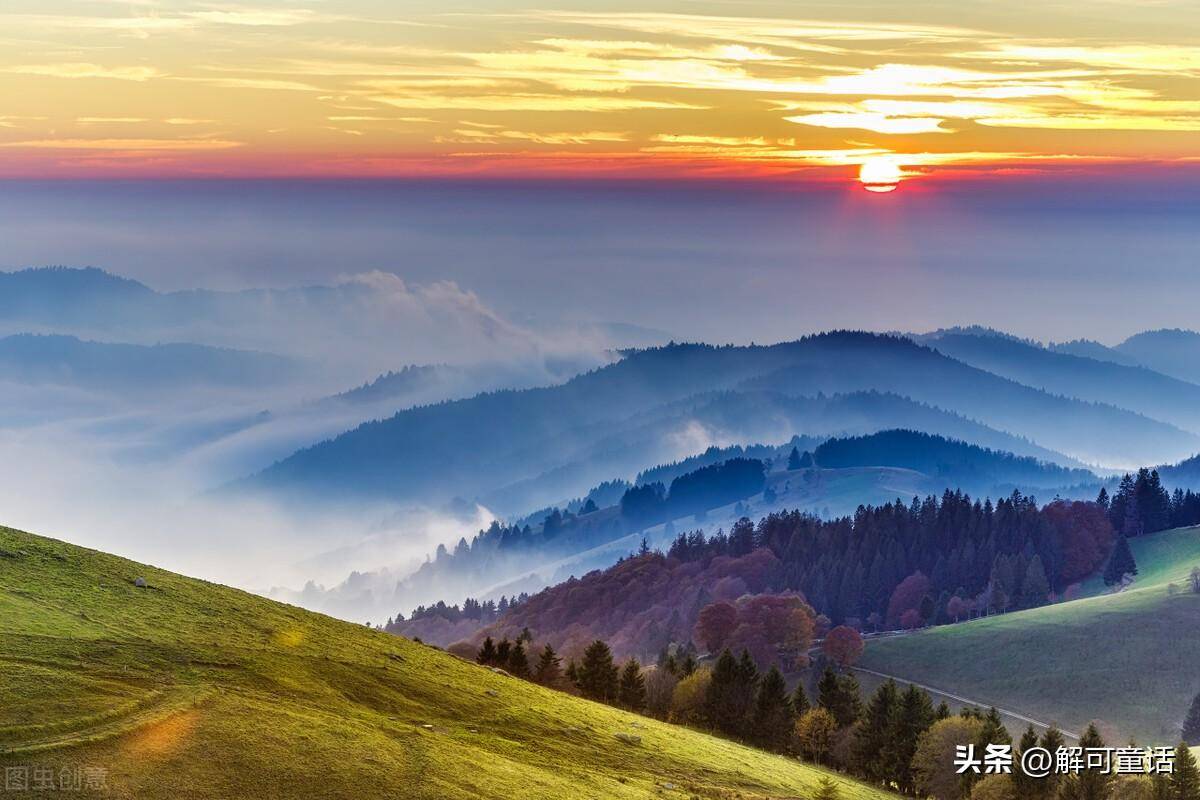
[(492, 693), (140, 583), (628, 738)]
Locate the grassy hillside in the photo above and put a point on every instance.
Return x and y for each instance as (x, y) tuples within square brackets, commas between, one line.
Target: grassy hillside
[(1130, 660), (185, 689)]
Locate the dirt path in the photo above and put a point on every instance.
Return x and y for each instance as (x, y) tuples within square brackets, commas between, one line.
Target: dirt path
[(965, 700)]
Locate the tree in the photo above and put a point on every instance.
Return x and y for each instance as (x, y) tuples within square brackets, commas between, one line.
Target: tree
[(548, 671), (1036, 587), (1093, 784), (914, 715), (1120, 563), (872, 736), (715, 624), (721, 705), (1024, 785), (597, 675), (690, 698), (839, 695), (933, 763), (631, 690), (793, 462), (487, 653), (843, 646), (660, 689), (907, 597), (815, 732), (827, 790), (1052, 739), (1191, 723), (1185, 777), (518, 662), (800, 703), (995, 787), (774, 720)]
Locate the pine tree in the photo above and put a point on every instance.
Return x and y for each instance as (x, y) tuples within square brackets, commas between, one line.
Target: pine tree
[(871, 738), (793, 460), (827, 790), (720, 705), (1191, 723), (773, 715), (1185, 777), (572, 673), (800, 703), (1120, 563), (503, 651), (631, 691), (487, 653), (1093, 783), (1025, 785), (914, 716), (1036, 587), (597, 675), (548, 671), (839, 694), (1051, 740), (518, 662)]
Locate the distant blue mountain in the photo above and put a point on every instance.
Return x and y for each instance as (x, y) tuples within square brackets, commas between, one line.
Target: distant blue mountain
[(66, 360), (474, 447)]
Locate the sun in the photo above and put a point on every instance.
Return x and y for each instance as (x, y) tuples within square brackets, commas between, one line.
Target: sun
[(881, 174)]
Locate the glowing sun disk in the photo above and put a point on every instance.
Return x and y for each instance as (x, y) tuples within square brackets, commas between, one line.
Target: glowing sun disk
[(880, 175)]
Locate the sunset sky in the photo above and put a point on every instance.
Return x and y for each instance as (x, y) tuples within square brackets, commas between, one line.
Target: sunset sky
[(607, 87)]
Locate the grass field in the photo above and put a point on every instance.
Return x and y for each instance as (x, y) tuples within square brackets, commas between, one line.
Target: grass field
[(1129, 660), (185, 689)]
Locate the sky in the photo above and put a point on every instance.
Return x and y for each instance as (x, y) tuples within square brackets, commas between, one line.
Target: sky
[(809, 91)]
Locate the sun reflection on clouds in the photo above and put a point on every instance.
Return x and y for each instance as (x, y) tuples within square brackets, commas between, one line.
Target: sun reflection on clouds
[(662, 91)]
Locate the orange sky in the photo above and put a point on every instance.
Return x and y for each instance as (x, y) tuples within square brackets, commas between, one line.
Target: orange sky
[(375, 88)]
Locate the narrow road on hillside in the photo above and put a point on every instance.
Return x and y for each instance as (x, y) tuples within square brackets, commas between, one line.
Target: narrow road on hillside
[(966, 700)]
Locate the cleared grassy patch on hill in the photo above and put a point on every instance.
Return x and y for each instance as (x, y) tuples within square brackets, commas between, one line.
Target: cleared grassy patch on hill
[(1130, 660), (185, 689)]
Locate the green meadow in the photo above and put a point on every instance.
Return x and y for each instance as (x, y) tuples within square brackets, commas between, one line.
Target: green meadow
[(1129, 660), (186, 689)]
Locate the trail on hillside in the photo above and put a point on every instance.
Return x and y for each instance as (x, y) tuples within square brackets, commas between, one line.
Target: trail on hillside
[(966, 701)]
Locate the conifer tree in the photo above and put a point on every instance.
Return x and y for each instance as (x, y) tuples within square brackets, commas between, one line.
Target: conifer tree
[(827, 790), (597, 675), (503, 651), (1120, 563), (800, 703), (548, 671), (773, 718), (872, 737), (839, 694), (571, 673), (518, 662), (720, 704), (631, 691), (1051, 740), (1024, 784), (487, 653), (793, 460), (1191, 723), (1093, 784), (1185, 777), (914, 716)]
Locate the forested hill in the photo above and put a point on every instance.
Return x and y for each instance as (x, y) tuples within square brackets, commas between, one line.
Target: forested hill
[(959, 463), (473, 446)]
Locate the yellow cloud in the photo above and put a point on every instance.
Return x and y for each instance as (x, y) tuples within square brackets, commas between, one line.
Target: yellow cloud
[(123, 144), (84, 70)]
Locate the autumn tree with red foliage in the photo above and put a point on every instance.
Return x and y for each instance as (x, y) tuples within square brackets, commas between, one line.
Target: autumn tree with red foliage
[(1085, 537), (715, 624), (907, 597), (843, 646)]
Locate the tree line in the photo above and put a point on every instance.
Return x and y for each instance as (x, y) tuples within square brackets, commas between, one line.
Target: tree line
[(897, 739)]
